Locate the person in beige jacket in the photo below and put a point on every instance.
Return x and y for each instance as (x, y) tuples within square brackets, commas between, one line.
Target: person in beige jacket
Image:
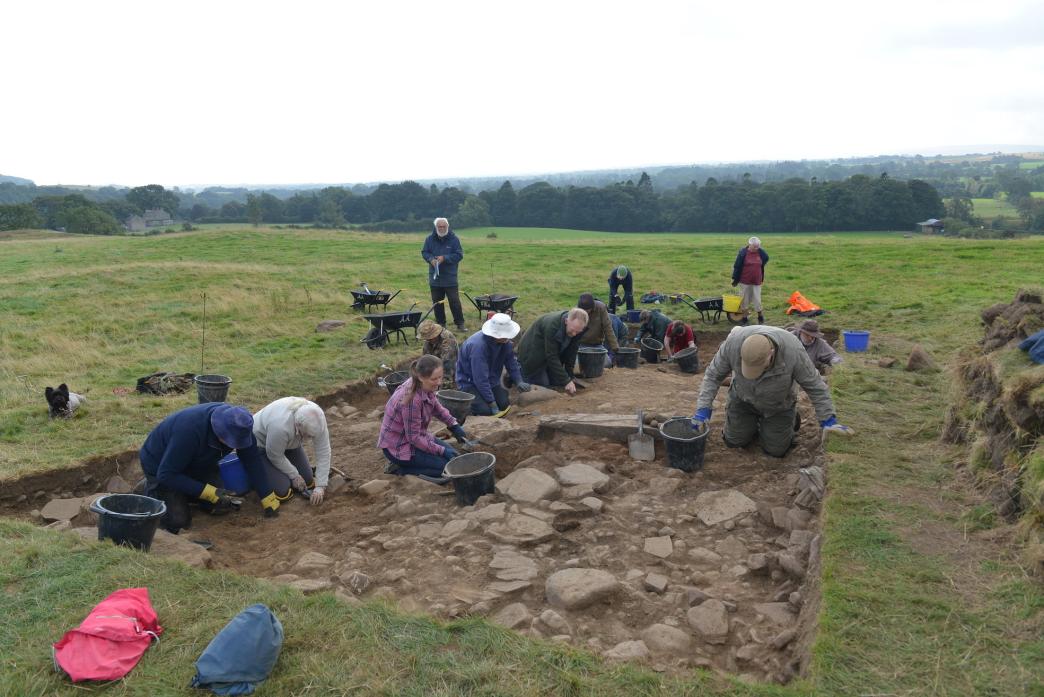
[(280, 430), (599, 330)]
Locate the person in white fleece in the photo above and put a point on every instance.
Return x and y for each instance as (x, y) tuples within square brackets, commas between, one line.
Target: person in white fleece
[(280, 430)]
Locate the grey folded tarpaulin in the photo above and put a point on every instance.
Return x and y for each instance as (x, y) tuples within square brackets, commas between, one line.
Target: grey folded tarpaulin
[(242, 654)]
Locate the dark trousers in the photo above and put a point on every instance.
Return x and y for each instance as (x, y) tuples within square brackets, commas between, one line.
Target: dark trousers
[(743, 423), (279, 482), (479, 406), (628, 290), (452, 295), (421, 462)]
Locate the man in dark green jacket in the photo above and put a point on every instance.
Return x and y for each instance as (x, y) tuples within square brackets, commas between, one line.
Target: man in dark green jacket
[(548, 349), (654, 324)]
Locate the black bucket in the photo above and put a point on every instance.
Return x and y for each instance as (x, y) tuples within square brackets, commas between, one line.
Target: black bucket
[(684, 446), (688, 360), (651, 350), (128, 519), (627, 357), (212, 388), (456, 402), (393, 380), (592, 360), (472, 476)]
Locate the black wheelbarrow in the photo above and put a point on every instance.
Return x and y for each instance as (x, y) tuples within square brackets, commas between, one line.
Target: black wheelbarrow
[(709, 309), (385, 324), (370, 299), (494, 302)]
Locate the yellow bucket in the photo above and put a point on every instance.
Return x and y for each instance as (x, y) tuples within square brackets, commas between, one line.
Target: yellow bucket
[(731, 303)]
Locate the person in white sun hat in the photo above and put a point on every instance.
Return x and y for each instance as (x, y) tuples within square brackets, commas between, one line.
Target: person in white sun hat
[(482, 359)]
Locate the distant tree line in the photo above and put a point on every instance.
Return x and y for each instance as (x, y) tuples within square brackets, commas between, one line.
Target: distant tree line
[(857, 203)]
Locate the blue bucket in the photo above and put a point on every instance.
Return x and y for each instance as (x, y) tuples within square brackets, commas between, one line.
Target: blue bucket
[(856, 341), (634, 315), (233, 476)]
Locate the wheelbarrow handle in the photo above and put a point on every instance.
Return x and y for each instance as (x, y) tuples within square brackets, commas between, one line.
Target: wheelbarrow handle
[(472, 301), (393, 296)]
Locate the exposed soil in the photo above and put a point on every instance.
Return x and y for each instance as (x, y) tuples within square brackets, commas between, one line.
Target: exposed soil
[(411, 543)]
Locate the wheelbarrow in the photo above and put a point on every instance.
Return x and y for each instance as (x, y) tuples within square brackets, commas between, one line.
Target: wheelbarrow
[(370, 299), (709, 309), (494, 302), (385, 324)]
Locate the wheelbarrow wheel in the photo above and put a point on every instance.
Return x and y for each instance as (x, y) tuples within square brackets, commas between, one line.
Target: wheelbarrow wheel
[(375, 339), (736, 317)]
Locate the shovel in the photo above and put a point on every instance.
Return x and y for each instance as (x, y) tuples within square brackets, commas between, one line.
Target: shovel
[(641, 446)]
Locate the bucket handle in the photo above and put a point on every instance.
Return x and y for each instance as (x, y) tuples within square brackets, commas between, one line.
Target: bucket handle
[(96, 508)]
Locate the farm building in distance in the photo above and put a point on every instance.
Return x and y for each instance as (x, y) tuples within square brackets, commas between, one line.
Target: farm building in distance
[(931, 226), (153, 217)]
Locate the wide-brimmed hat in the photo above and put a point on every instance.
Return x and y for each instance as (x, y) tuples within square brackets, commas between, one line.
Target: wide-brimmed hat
[(810, 326), (755, 355), (428, 330), (500, 326), (586, 302), (233, 425)]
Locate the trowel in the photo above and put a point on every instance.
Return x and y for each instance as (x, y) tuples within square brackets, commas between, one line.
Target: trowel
[(641, 446)]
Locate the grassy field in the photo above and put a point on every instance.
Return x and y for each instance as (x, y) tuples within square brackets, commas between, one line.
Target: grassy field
[(915, 602), (990, 208)]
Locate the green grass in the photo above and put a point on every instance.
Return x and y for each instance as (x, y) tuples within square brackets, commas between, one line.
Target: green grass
[(990, 208), (911, 605), (1031, 165)]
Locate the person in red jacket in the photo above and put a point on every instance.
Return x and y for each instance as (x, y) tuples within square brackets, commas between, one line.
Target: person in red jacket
[(679, 336), (748, 272)]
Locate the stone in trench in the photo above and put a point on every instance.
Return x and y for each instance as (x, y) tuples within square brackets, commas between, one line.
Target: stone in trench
[(703, 555), (509, 565), (165, 544), (731, 547), (791, 565), (591, 502), (513, 615), (710, 621), (358, 582), (747, 653), (628, 651), (798, 519), (758, 563), (508, 587), (664, 639), (555, 622), (919, 360), (580, 474), (656, 583), (662, 486), (313, 562), (486, 514), (519, 529), (335, 484), (375, 487), (777, 613), (455, 527), (779, 516), (528, 486), (312, 585), (118, 485), (61, 509), (713, 507), (575, 589), (783, 638), (659, 546)]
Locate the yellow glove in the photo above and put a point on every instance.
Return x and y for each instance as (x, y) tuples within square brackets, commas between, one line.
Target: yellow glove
[(503, 412), (209, 494), (271, 505)]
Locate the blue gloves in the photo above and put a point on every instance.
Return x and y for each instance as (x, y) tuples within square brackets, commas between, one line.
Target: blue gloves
[(458, 433), (524, 387), (449, 452), (833, 426), (700, 418)]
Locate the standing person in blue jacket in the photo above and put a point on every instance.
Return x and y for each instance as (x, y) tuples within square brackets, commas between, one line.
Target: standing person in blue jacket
[(180, 461), (621, 276), (443, 253), (481, 362)]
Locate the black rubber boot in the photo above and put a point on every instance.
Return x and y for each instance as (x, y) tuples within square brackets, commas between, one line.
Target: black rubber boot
[(761, 318)]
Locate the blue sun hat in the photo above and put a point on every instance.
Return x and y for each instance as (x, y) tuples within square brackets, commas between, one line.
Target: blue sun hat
[(233, 425)]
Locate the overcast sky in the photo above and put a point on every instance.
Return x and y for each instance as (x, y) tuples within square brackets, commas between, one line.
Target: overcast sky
[(234, 92)]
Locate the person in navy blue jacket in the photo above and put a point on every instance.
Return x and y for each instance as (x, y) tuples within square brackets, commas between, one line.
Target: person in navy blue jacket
[(621, 276), (481, 361), (180, 461), (443, 253)]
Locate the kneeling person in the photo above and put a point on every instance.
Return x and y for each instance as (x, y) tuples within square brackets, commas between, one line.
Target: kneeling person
[(280, 430), (482, 360), (404, 436), (765, 363), (180, 461), (819, 351), (548, 350)]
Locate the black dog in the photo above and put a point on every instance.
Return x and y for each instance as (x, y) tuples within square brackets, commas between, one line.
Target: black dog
[(62, 402)]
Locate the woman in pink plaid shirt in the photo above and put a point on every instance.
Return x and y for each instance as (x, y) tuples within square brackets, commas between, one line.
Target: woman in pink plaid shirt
[(404, 436)]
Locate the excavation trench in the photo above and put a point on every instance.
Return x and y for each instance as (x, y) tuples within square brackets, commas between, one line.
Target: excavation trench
[(662, 571)]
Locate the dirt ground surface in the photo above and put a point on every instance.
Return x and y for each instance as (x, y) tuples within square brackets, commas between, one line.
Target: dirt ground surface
[(628, 560)]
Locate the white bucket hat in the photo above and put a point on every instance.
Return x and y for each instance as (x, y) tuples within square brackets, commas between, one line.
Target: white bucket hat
[(500, 326)]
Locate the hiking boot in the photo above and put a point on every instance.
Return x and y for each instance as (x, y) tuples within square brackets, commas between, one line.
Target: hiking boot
[(434, 480), (461, 328), (391, 468), (761, 318), (744, 322)]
